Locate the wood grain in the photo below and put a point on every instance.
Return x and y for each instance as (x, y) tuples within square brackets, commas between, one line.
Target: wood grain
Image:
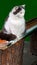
[(12, 55), (33, 43), (31, 23)]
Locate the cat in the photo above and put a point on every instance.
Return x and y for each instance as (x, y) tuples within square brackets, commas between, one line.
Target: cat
[(15, 24)]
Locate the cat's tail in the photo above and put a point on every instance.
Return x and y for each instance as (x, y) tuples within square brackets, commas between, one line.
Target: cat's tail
[(7, 37)]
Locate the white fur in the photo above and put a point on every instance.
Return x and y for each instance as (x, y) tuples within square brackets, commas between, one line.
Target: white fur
[(15, 23)]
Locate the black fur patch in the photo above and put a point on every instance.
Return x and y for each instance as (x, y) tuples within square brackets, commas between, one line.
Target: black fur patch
[(18, 10), (7, 37)]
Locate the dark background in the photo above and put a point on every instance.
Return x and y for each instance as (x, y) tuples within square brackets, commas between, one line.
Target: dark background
[(7, 5)]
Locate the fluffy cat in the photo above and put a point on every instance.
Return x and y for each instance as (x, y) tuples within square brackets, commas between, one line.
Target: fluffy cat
[(15, 24)]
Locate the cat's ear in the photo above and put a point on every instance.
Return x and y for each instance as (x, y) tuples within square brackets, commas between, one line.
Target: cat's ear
[(23, 6)]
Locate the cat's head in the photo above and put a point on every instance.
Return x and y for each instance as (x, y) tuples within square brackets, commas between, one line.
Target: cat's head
[(18, 11)]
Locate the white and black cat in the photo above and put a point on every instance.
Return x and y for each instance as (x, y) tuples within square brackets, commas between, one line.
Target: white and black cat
[(15, 24)]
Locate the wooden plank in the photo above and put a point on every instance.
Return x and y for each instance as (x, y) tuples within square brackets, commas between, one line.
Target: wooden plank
[(31, 23), (33, 43)]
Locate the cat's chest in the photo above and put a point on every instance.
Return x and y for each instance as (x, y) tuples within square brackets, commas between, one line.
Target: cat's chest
[(17, 22), (15, 26), (14, 23)]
